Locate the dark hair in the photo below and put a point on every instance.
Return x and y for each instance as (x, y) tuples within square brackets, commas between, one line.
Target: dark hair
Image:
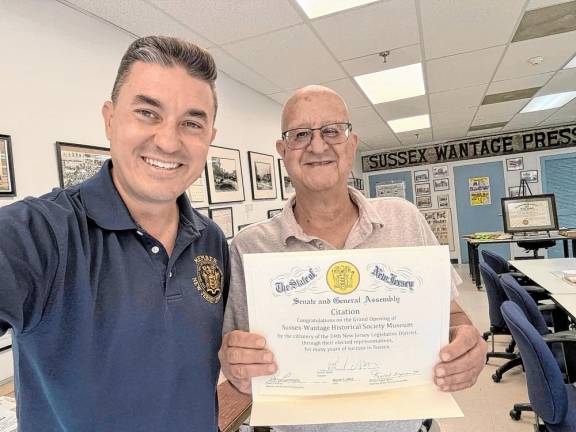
[(168, 51)]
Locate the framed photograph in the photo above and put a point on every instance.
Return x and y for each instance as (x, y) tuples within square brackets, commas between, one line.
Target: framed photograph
[(443, 201), (422, 189), (286, 187), (513, 191), (274, 212), (203, 211), (78, 162), (224, 175), (440, 171), (198, 192), (421, 176), (441, 184), (529, 213), (514, 164), (223, 217), (529, 176), (359, 183), (7, 184), (424, 201), (262, 176), (241, 227)]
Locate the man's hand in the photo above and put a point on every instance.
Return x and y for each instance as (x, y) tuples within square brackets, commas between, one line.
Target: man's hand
[(462, 359), (244, 355)]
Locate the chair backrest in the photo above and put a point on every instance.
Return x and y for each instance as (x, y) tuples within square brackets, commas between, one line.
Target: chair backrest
[(518, 295), (495, 293), (495, 261), (546, 388)]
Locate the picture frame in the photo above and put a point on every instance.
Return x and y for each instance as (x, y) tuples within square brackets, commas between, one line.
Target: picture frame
[(7, 181), (286, 186), (424, 201), (204, 211), (274, 212), (224, 175), (422, 188), (421, 176), (441, 184), (78, 162), (515, 164), (440, 171), (443, 200), (262, 176), (358, 183), (224, 218), (241, 227), (197, 192), (513, 191), (530, 176), (529, 213)]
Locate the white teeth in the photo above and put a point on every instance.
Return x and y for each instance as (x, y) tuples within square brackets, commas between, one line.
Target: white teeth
[(161, 164)]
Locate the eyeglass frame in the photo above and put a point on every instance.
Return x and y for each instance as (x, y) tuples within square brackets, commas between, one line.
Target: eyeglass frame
[(347, 130)]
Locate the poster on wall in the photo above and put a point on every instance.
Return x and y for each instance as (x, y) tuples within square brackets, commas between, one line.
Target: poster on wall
[(77, 162), (392, 189), (479, 188), (7, 187), (440, 222)]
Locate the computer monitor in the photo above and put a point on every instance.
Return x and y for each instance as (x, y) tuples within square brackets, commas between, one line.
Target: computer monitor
[(529, 213)]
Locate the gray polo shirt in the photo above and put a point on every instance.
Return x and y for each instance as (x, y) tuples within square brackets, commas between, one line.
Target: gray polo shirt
[(382, 222)]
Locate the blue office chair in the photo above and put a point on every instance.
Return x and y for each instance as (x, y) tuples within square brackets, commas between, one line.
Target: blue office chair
[(496, 296), (552, 400)]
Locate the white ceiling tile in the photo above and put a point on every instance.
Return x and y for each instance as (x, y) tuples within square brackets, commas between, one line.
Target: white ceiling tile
[(368, 30), (484, 132), (459, 117), (374, 63), (378, 143), (280, 97), (519, 83), (140, 18), (556, 50), (369, 131), (458, 98), (565, 80), (449, 133), (229, 20), (498, 112), (453, 27), (242, 73), (364, 116), (537, 4), (403, 108), (564, 115), (462, 70), (290, 57), (353, 97), (417, 137), (527, 120)]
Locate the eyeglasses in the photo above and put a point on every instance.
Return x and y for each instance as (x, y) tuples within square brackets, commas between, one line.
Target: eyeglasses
[(332, 134)]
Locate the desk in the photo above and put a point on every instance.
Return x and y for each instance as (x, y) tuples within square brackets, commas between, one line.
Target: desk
[(474, 245), (567, 303), (544, 273)]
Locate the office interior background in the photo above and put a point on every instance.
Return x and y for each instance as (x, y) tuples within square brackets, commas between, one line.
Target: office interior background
[(415, 74)]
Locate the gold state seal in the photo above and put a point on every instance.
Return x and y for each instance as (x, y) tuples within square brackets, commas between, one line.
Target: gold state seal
[(343, 277)]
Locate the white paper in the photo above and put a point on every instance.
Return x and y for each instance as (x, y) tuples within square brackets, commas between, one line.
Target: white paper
[(8, 421)]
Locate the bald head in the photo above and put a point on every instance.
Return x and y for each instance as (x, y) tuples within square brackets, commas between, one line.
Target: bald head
[(305, 98)]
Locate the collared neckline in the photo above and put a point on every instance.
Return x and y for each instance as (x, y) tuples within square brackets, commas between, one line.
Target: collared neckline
[(105, 206)]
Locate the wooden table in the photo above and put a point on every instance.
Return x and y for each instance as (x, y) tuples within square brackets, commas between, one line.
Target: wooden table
[(234, 407)]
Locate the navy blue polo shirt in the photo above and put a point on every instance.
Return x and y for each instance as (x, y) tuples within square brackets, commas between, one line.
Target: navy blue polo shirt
[(110, 333)]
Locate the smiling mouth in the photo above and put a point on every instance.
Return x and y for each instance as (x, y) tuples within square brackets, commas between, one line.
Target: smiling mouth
[(319, 163), (161, 164)]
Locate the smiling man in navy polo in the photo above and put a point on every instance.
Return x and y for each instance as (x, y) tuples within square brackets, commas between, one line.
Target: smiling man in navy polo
[(114, 288)]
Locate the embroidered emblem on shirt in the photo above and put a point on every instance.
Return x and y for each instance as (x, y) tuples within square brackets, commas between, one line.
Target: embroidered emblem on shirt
[(343, 277), (208, 278)]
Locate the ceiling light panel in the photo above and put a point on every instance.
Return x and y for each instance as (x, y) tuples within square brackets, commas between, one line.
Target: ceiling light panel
[(550, 101), (571, 64), (393, 84), (410, 123), (318, 8)]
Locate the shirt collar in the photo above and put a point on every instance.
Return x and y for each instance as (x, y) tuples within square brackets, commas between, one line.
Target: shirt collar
[(105, 206)]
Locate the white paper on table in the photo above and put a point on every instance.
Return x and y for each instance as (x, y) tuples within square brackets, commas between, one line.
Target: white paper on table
[(379, 342), (8, 422)]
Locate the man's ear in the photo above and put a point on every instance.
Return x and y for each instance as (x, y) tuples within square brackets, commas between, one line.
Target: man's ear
[(281, 147), (107, 114)]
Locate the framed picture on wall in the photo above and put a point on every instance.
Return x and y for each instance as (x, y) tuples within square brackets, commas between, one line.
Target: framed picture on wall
[(7, 184), (286, 187), (223, 217), (422, 188), (198, 192), (241, 227), (441, 184), (78, 162), (530, 176), (440, 171), (443, 201), (262, 176), (421, 176), (274, 212), (203, 211), (224, 175), (515, 164), (424, 201), (514, 191)]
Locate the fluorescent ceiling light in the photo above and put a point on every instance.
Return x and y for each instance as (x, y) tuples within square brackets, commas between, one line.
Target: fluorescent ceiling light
[(550, 101), (410, 123), (317, 8), (393, 84), (571, 63)]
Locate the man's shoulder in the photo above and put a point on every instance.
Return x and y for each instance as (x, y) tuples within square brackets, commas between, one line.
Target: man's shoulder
[(263, 236), (51, 206)]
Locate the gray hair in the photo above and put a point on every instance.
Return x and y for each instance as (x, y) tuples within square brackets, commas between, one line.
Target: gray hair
[(168, 51)]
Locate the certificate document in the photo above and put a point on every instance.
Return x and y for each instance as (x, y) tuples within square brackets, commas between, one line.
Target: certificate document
[(349, 323)]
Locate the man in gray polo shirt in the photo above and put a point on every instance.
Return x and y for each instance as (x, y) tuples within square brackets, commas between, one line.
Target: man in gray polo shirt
[(318, 148)]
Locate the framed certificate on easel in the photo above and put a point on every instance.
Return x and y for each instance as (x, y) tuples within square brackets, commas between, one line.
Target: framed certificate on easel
[(529, 213)]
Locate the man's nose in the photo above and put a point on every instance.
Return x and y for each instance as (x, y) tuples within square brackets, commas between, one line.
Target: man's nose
[(317, 143), (167, 137)]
